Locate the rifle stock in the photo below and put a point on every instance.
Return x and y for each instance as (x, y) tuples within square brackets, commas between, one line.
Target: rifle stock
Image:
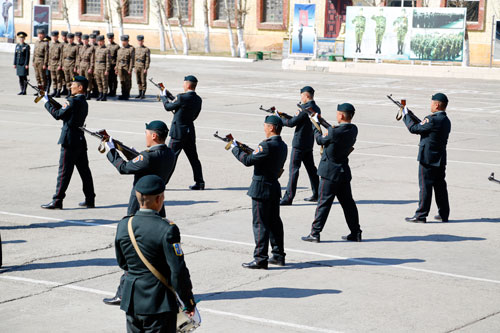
[(160, 86), (102, 135), (272, 110), (229, 139), (41, 93)]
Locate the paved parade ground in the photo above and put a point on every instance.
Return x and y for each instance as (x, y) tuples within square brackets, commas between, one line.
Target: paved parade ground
[(403, 277)]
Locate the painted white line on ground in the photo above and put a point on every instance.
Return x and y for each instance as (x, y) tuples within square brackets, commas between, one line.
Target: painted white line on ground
[(216, 312), (331, 256)]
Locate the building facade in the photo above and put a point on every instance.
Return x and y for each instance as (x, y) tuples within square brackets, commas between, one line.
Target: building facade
[(267, 22)]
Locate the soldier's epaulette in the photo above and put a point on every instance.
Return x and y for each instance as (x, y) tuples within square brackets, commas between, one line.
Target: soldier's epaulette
[(169, 222)]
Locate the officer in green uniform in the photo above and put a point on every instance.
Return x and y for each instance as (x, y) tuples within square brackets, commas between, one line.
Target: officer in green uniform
[(359, 24), (148, 304), (401, 24), (336, 175), (265, 191), (22, 61), (73, 144), (302, 148), (434, 131), (380, 24)]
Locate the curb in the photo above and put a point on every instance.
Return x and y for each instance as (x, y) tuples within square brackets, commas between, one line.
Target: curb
[(207, 58)]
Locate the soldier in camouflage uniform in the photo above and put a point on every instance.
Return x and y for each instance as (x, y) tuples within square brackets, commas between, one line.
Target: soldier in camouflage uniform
[(113, 52), (401, 24), (86, 66), (70, 53), (124, 66), (55, 63), (47, 71), (142, 60), (79, 43), (380, 24), (102, 66), (41, 59), (360, 23), (93, 42), (64, 42)]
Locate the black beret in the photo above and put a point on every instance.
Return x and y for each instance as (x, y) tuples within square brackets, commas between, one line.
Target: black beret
[(140, 37), (64, 33), (97, 32), (21, 34), (54, 33), (40, 31), (158, 125), (274, 120), (346, 107), (85, 37), (110, 35), (440, 97), (191, 78), (82, 80), (124, 38), (78, 34), (150, 185), (92, 36), (70, 35), (308, 89), (100, 37)]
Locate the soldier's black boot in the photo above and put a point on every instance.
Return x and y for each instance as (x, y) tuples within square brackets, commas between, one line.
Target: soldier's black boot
[(87, 204), (353, 237), (58, 94), (54, 93), (103, 99), (112, 93), (197, 187), (64, 91), (87, 96), (21, 85), (54, 204), (143, 95), (99, 97), (140, 95)]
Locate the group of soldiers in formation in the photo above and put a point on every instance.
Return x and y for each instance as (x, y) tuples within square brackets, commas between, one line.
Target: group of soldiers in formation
[(400, 25), (435, 20), (150, 304), (56, 62), (437, 46)]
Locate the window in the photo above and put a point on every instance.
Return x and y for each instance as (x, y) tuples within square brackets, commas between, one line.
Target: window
[(92, 7), (135, 11), (173, 10), (135, 8), (272, 14), (91, 10), (54, 5), (475, 11), (221, 12)]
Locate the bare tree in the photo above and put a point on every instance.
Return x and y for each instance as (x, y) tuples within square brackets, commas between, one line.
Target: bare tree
[(229, 29), (65, 15), (169, 27), (107, 16), (241, 14), (206, 40), (160, 24), (119, 11), (185, 43)]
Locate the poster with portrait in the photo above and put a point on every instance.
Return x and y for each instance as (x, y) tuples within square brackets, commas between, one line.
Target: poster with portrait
[(7, 24), (41, 18), (303, 30)]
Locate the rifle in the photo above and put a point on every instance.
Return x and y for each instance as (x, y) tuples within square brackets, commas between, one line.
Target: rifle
[(160, 86), (41, 93), (229, 139), (273, 110), (492, 178), (129, 153), (310, 112), (401, 106)]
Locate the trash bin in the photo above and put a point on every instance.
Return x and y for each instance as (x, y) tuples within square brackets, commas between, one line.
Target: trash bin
[(259, 55)]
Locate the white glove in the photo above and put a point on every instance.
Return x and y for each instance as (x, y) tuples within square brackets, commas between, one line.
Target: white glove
[(276, 113), (164, 92), (315, 117), (405, 111), (46, 97), (234, 143), (110, 143)]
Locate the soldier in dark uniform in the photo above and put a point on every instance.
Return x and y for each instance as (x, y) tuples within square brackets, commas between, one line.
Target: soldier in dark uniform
[(265, 191), (149, 305), (187, 107), (73, 144), (302, 148), (336, 175), (22, 61), (158, 160), (434, 131)]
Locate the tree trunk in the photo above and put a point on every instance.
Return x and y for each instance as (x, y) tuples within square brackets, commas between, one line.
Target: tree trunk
[(185, 44), (119, 11), (108, 17), (169, 27), (230, 30), (465, 58), (65, 15), (240, 27), (160, 26), (206, 40)]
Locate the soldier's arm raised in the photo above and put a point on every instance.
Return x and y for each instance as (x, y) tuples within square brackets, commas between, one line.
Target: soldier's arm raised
[(62, 112), (262, 152), (171, 106)]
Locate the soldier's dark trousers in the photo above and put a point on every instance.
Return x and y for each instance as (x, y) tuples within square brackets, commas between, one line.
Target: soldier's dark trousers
[(69, 158), (328, 190), (432, 178), (113, 81), (23, 82), (158, 323), (267, 227), (188, 144), (297, 157)]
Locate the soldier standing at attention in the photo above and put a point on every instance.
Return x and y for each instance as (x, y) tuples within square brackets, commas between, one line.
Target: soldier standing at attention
[(113, 51), (187, 108), (142, 60), (73, 145), (359, 24), (434, 131), (124, 66), (336, 175), (102, 66), (70, 53), (401, 24), (265, 191), (41, 59), (302, 148), (22, 61), (148, 304), (47, 71), (64, 36), (94, 92), (380, 24), (79, 43), (87, 62), (55, 63)]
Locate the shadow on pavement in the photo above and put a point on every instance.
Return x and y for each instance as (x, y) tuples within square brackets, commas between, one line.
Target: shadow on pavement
[(348, 262), (17, 241), (278, 292), (222, 189), (85, 222), (423, 238), (64, 264), (479, 220), (167, 203)]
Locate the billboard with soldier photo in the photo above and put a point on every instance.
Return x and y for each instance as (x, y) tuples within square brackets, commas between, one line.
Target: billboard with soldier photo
[(405, 33)]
